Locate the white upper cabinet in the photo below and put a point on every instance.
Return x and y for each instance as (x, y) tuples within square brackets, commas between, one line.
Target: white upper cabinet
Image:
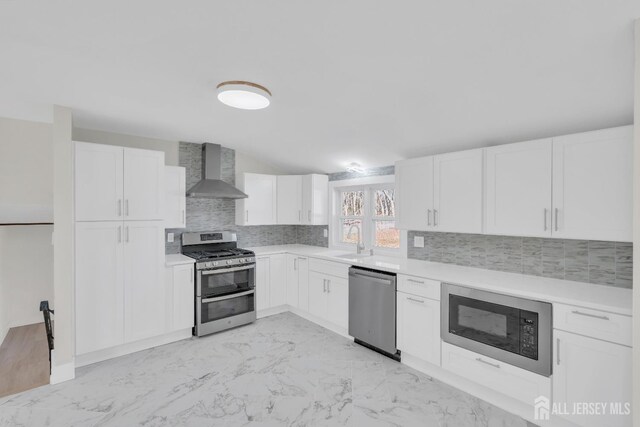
[(592, 185), (261, 205), (303, 199), (98, 182), (518, 189), (289, 199), (457, 192), (315, 199), (116, 183), (143, 184), (414, 194), (175, 200)]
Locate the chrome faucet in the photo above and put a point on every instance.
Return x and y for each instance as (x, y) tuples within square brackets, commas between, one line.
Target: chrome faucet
[(359, 245)]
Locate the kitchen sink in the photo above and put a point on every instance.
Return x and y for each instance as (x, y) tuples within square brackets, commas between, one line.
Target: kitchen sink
[(353, 256)]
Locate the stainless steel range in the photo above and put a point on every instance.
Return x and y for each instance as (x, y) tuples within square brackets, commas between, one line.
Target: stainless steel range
[(225, 281)]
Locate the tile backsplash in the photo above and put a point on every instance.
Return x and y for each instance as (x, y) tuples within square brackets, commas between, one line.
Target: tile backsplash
[(604, 263), (219, 214)]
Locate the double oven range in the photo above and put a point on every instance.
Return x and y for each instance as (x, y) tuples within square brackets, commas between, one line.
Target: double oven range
[(225, 281)]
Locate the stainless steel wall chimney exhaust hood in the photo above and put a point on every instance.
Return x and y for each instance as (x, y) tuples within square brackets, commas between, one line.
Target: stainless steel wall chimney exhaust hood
[(212, 186)]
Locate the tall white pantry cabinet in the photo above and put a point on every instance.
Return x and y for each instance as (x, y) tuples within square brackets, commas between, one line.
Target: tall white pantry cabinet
[(119, 245)]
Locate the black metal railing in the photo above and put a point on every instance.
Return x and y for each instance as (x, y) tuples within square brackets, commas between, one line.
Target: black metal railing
[(47, 312)]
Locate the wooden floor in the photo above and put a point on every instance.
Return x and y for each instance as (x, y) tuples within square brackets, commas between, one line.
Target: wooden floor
[(24, 359)]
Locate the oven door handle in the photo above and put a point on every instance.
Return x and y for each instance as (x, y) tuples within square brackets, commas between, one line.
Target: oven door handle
[(216, 299), (227, 270)]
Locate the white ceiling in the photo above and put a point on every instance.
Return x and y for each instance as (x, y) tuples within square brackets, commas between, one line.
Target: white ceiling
[(359, 80)]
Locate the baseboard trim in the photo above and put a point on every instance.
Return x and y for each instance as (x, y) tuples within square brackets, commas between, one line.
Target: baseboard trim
[(121, 350), (63, 372), (272, 311)]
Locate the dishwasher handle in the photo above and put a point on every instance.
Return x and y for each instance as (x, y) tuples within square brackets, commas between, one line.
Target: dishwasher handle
[(372, 276)]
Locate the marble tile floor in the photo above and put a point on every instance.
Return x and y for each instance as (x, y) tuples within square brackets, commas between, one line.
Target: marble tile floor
[(281, 370)]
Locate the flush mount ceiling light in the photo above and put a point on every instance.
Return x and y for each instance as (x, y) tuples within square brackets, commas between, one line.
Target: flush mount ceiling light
[(244, 95), (355, 168)]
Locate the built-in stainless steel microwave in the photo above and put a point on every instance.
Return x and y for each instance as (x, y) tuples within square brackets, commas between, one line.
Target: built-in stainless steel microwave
[(511, 329)]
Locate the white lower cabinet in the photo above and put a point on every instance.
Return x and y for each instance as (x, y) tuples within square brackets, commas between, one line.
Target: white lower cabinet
[(329, 298), (144, 291), (99, 295), (418, 327), (120, 290), (589, 371), (297, 268), (263, 279), (179, 281), (271, 281), (499, 376)]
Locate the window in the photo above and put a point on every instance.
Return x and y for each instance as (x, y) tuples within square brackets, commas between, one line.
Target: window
[(371, 211)]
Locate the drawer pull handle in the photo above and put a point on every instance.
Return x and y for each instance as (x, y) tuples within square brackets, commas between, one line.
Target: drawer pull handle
[(558, 351), (415, 281), (495, 365), (415, 300), (595, 316)]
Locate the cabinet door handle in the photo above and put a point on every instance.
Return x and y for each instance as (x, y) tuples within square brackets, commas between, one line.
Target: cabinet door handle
[(119, 234), (595, 316), (429, 217), (556, 219), (191, 271), (127, 231), (329, 285), (126, 207), (415, 300), (495, 365), (435, 217), (324, 285), (415, 281), (557, 351), (295, 263), (247, 215), (545, 219), (119, 207), (184, 220)]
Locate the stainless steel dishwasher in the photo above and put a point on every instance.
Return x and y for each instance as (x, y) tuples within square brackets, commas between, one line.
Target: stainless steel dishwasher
[(372, 310)]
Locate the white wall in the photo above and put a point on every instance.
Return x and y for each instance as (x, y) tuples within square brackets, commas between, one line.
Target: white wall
[(248, 163), (26, 195), (636, 235), (170, 148), (63, 255), (26, 171), (26, 272)]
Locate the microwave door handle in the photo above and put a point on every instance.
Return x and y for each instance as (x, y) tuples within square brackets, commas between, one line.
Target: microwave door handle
[(240, 294), (226, 270)]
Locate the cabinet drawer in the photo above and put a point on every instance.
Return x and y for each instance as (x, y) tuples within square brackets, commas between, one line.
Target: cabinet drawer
[(593, 323), (494, 374), (329, 267), (426, 288)]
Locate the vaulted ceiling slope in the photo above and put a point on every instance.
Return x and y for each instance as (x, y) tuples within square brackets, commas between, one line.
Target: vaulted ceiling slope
[(358, 80)]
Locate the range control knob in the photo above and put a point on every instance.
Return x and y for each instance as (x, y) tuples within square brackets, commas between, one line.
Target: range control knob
[(230, 262), (215, 264)]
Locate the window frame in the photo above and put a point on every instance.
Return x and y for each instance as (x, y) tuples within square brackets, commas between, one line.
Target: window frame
[(368, 185)]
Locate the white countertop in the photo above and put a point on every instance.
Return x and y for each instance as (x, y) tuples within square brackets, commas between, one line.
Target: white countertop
[(598, 297), (177, 259)]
